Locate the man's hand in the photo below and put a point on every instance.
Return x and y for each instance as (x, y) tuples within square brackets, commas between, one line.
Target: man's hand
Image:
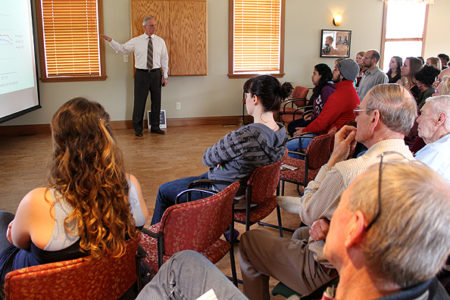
[(344, 142), (319, 229), (105, 37), (298, 131), (164, 81)]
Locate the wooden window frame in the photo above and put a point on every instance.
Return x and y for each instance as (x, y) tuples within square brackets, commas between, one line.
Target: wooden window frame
[(231, 41), (70, 77), (384, 39)]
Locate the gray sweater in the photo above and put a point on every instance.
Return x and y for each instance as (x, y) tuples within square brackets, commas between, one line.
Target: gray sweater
[(238, 153)]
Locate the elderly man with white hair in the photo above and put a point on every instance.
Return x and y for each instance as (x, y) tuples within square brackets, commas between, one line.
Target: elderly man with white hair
[(434, 129)]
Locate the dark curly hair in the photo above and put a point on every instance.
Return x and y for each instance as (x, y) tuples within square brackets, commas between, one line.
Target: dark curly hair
[(326, 76), (87, 171)]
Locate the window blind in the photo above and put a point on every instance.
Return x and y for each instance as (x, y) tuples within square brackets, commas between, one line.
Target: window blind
[(256, 36), (70, 38)]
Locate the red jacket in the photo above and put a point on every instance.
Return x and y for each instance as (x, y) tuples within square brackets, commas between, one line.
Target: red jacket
[(338, 110)]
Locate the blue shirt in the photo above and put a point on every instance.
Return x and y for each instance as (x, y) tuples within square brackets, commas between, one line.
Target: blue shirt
[(437, 156)]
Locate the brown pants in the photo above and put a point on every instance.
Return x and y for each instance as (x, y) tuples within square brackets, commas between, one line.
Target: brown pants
[(263, 254)]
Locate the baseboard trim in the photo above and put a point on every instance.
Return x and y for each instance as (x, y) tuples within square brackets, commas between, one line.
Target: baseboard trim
[(22, 130)]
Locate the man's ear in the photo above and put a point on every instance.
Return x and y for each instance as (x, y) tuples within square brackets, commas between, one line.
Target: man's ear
[(441, 118), (356, 230)]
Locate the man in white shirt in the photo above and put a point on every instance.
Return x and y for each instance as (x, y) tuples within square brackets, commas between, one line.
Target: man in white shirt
[(150, 55), (434, 129)]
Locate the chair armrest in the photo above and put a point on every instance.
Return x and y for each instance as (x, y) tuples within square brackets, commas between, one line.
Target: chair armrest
[(207, 191), (150, 233), (210, 182), (291, 101)]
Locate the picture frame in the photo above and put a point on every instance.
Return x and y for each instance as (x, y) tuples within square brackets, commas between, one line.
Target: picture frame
[(335, 43), (162, 119)]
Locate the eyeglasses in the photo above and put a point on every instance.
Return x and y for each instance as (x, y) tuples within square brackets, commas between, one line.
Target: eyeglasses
[(377, 215), (357, 111), (380, 172)]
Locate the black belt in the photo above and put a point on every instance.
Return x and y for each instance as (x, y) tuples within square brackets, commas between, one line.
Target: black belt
[(145, 70)]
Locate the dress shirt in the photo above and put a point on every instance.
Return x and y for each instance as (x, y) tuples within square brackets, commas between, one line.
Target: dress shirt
[(436, 156), (139, 46), (369, 80)]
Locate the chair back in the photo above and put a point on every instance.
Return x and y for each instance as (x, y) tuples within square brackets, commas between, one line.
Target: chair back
[(319, 150), (198, 224), (81, 278), (300, 92), (263, 182)]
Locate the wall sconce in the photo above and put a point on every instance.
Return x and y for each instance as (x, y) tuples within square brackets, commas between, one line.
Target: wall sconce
[(337, 19)]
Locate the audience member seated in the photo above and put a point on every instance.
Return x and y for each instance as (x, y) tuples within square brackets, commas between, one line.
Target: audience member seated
[(425, 78), (443, 87), (359, 60), (339, 107), (394, 74), (377, 254), (434, 62), (323, 88), (386, 114), (440, 78), (236, 155), (434, 129), (409, 69), (90, 206), (444, 60), (373, 75)]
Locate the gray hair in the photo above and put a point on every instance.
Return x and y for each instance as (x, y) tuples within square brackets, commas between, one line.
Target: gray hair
[(145, 20), (397, 107), (410, 240), (441, 104)]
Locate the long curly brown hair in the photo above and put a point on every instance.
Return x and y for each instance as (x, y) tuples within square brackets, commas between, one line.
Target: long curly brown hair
[(87, 170)]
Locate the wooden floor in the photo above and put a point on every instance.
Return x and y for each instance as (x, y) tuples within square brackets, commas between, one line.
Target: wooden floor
[(153, 159)]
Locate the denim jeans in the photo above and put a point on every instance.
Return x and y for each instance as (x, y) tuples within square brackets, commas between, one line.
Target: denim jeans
[(168, 192), (292, 145), (188, 275)]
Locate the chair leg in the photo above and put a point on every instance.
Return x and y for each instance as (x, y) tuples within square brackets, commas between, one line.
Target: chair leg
[(280, 226), (232, 260)]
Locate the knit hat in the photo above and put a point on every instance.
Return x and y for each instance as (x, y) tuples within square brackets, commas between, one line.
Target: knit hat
[(348, 68)]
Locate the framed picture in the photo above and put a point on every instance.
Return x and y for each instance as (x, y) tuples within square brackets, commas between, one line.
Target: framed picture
[(335, 43), (162, 119)]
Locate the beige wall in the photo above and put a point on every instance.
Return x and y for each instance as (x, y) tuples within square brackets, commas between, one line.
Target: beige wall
[(216, 94)]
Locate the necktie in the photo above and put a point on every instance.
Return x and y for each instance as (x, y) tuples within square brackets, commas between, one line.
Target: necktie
[(150, 54)]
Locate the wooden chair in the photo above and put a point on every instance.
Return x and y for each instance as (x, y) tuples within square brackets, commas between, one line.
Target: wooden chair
[(81, 278), (196, 225)]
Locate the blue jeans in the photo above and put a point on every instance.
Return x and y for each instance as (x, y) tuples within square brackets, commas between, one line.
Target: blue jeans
[(293, 145), (188, 275), (168, 192)]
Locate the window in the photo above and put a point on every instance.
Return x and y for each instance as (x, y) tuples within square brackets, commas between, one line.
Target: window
[(404, 26), (256, 38), (69, 40)]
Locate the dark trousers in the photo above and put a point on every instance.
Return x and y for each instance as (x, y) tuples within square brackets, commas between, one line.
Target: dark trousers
[(5, 219), (143, 82)]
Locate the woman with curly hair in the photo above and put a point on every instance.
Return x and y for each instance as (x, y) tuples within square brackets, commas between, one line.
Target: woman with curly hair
[(90, 206)]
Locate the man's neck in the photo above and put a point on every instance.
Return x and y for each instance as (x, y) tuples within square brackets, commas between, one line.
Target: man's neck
[(359, 284), (371, 68)]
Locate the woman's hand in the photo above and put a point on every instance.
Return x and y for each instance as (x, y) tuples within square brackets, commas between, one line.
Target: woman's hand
[(298, 131)]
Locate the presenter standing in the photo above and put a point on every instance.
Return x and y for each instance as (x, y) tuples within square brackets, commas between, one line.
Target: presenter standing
[(150, 55)]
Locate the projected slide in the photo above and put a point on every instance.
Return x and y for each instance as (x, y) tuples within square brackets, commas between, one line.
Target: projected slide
[(15, 48), (18, 81)]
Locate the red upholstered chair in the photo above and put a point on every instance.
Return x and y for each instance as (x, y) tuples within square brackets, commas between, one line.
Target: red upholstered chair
[(292, 109), (81, 278), (315, 156), (196, 225), (260, 196)]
